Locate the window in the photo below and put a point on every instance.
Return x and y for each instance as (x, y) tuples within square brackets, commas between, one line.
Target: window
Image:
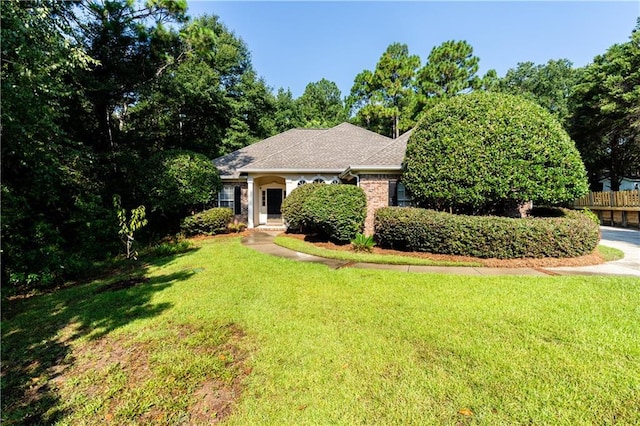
[(301, 182), (404, 196), (318, 180), (335, 181), (399, 195), (225, 197)]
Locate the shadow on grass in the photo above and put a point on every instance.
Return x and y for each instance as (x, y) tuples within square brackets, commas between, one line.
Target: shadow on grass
[(38, 334)]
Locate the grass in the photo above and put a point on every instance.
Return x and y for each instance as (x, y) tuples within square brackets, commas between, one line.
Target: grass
[(298, 343), (609, 254), (349, 256)]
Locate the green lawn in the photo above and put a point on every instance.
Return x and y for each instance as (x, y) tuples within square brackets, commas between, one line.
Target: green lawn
[(350, 256), (223, 329)]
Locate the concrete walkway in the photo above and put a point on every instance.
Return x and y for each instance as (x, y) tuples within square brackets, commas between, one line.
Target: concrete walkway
[(627, 240), (623, 239)]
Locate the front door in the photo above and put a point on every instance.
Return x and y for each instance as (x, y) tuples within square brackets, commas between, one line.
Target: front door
[(274, 203)]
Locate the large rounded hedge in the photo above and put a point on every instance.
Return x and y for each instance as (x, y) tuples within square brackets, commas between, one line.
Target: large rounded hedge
[(291, 208), (335, 211), (570, 234), (478, 152)]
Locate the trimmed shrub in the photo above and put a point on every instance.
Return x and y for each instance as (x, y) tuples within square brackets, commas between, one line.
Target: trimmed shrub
[(569, 235), (336, 211), (292, 206), (209, 222), (489, 152)]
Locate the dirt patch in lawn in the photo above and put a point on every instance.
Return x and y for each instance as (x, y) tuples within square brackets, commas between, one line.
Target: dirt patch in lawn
[(590, 259), (159, 380)]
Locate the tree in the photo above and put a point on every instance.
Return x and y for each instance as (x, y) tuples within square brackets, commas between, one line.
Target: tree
[(129, 52), (50, 213), (549, 85), (183, 181), (287, 112), (321, 104), (450, 69), (383, 99), (489, 152), (605, 119), (209, 100)]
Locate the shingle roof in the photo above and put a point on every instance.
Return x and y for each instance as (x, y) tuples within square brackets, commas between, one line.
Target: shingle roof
[(313, 150), (392, 154)]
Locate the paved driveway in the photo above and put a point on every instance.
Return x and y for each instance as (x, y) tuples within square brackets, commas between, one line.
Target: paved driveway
[(627, 240)]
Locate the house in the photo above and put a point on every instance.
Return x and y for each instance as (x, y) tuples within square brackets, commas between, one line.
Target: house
[(628, 183), (258, 177)]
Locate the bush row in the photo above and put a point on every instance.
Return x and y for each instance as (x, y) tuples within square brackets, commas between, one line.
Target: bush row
[(334, 211), (208, 222), (571, 234)]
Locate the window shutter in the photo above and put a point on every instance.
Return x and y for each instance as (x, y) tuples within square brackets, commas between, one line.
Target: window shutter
[(393, 190), (237, 201)]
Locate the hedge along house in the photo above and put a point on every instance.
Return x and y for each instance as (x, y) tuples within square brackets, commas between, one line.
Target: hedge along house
[(258, 177)]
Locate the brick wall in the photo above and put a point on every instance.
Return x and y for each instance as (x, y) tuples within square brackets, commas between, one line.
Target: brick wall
[(376, 188)]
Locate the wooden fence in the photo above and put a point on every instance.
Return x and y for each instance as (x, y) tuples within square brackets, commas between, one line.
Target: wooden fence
[(620, 208)]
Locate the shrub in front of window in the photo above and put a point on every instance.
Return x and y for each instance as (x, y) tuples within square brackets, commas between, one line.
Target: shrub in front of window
[(336, 211), (568, 234), (209, 222), (488, 152), (291, 208)]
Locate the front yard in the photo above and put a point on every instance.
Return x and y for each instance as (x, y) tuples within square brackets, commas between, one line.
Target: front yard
[(223, 332)]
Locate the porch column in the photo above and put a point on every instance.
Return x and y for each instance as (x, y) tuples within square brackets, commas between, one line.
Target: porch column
[(250, 201)]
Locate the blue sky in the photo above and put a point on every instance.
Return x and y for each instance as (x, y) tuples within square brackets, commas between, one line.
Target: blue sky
[(295, 43)]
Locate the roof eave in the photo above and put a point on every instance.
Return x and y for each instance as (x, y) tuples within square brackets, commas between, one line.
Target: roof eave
[(290, 170), (371, 168)]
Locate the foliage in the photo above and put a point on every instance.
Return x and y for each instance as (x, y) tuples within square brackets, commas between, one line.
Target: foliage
[(287, 112), (413, 229), (183, 181), (513, 151), (292, 207), (129, 225), (450, 69), (321, 105), (549, 85), (363, 243), (208, 99), (336, 211), (169, 248), (382, 100), (209, 222), (236, 227), (50, 211), (606, 113)]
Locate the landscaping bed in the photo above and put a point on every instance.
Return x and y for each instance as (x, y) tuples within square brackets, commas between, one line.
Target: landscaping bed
[(594, 258)]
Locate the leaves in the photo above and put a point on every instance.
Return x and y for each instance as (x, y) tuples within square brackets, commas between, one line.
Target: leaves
[(512, 150)]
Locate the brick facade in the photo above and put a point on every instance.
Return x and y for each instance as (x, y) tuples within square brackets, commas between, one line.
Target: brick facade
[(376, 188)]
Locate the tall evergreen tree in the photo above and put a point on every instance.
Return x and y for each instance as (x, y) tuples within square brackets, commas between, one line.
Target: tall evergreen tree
[(382, 100)]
